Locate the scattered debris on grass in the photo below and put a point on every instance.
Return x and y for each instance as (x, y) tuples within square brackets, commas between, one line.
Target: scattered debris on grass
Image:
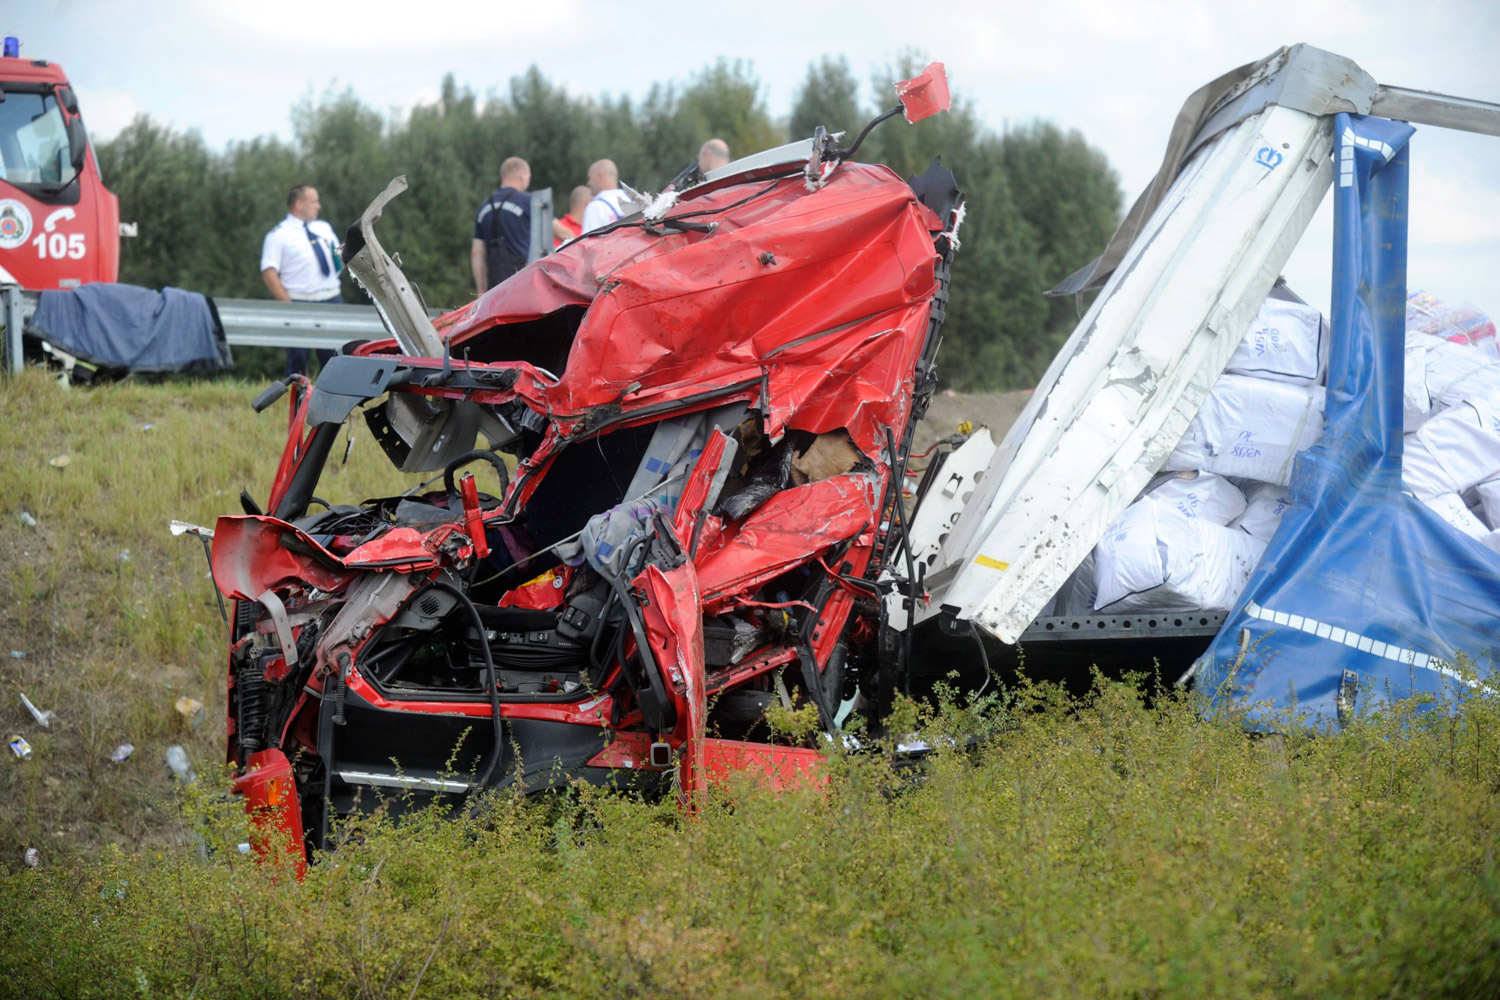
[(177, 760), (43, 719), (191, 710)]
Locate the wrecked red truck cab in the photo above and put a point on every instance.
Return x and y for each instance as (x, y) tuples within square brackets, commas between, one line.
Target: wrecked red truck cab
[(708, 406)]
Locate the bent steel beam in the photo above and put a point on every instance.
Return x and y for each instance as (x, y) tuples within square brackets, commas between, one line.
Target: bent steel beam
[(394, 297), (1136, 369)]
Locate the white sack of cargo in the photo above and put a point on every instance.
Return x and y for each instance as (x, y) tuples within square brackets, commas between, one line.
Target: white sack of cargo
[(1457, 449), (1265, 504), (1451, 508), (1445, 364), (1154, 559), (1251, 428), (1481, 385), (1286, 342), (1421, 473), (1489, 502), (1416, 401), (1076, 596), (1198, 494)]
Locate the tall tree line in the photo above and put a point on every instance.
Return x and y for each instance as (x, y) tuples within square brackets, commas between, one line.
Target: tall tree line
[(1041, 201)]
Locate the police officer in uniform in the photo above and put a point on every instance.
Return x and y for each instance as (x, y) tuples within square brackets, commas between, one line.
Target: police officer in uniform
[(502, 228), (300, 262)]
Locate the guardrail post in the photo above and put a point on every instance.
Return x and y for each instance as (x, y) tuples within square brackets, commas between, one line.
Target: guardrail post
[(10, 310), (541, 224)]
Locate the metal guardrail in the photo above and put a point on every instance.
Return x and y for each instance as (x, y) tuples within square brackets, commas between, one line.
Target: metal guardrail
[(325, 326), (247, 323)]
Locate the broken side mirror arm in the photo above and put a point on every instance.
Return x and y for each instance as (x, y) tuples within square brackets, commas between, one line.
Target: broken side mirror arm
[(923, 96), (869, 126)]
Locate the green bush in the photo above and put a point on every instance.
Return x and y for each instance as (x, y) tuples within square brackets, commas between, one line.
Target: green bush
[(1104, 846)]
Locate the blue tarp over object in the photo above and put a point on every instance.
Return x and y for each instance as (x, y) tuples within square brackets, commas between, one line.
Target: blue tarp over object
[(1363, 593), (123, 326)]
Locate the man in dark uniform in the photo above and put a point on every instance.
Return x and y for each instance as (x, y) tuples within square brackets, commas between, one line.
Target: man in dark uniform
[(502, 227)]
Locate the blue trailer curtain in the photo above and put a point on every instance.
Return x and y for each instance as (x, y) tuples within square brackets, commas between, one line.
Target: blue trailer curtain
[(1363, 593)]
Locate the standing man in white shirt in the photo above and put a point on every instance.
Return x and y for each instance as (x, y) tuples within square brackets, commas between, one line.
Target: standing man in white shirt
[(610, 202), (300, 262)]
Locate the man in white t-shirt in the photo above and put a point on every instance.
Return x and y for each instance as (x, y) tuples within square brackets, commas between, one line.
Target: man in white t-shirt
[(610, 203), (300, 262)]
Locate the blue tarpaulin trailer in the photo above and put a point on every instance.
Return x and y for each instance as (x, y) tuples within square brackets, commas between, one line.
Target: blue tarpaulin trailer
[(1364, 593)]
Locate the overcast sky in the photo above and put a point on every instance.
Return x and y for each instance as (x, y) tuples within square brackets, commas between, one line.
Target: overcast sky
[(1116, 70)]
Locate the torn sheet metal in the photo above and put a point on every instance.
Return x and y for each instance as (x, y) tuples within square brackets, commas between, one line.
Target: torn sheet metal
[(783, 531), (664, 386), (805, 288), (1300, 77)]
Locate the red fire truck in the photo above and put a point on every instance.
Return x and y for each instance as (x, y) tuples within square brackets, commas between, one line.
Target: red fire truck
[(59, 227)]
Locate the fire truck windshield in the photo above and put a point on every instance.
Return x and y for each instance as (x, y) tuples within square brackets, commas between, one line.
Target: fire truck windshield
[(34, 152)]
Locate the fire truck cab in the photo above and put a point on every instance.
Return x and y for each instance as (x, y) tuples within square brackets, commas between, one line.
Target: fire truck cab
[(59, 227)]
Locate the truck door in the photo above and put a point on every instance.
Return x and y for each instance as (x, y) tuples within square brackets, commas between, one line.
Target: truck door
[(59, 228)]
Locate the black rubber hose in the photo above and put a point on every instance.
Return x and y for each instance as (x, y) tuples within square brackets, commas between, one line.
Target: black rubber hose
[(469, 456), (984, 657), (655, 682), (489, 663), (898, 514)]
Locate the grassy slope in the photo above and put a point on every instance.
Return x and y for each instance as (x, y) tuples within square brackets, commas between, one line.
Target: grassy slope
[(113, 639), (1098, 848)]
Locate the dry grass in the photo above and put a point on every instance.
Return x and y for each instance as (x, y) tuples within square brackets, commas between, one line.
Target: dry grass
[(116, 618)]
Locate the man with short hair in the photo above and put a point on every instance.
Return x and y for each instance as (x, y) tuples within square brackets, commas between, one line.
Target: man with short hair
[(502, 227), (570, 226), (610, 202), (712, 154), (300, 262)]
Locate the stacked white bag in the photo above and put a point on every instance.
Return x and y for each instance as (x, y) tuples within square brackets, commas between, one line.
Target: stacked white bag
[(1192, 539), (1268, 404), (1159, 557), (1451, 459)]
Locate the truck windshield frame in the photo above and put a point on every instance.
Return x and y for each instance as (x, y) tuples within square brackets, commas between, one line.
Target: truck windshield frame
[(36, 153)]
